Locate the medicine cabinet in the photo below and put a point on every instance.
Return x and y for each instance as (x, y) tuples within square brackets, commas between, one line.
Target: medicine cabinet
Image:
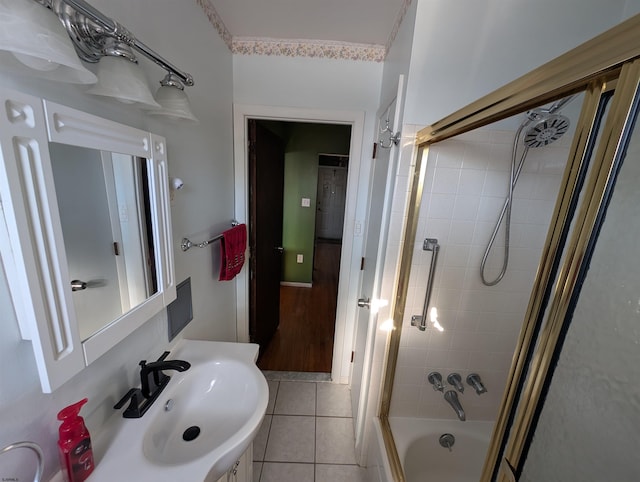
[(85, 231)]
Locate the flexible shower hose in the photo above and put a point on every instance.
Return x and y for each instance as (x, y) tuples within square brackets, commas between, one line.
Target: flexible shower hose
[(505, 214)]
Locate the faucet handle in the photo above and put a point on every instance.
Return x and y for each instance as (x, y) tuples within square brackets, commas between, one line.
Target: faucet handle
[(436, 380), (133, 410), (474, 380), (130, 394), (456, 380), (163, 356)]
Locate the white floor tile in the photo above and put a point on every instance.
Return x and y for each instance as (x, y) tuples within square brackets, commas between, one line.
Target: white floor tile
[(257, 470), (340, 473), (273, 390), (260, 441), (307, 434), (273, 472), (334, 400), (335, 442), (296, 398), (291, 439)]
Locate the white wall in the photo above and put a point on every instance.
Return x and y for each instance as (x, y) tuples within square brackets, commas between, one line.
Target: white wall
[(306, 82), (202, 156), (632, 7), (465, 49), (398, 58)]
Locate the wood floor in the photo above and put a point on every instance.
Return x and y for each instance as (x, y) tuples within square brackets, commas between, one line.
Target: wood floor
[(304, 339)]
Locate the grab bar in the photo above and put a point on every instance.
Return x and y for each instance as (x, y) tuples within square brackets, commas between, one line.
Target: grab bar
[(420, 321)]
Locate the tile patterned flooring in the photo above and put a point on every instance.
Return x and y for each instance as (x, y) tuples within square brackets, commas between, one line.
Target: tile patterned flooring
[(307, 435)]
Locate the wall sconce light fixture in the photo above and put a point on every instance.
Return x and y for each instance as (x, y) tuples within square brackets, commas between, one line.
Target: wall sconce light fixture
[(174, 103), (33, 41), (96, 38), (120, 77)]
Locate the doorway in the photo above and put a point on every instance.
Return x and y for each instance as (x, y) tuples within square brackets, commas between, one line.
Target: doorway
[(352, 239), (303, 341), (331, 196), (294, 268)]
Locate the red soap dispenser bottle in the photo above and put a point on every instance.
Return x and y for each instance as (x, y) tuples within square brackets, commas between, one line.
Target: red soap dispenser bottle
[(74, 444)]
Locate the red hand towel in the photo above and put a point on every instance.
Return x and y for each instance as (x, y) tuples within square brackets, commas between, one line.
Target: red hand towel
[(232, 247)]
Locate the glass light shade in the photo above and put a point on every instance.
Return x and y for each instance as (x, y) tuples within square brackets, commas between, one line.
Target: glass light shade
[(123, 80), (34, 42), (174, 104)]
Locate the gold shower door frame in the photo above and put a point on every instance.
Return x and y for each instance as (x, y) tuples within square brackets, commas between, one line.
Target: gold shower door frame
[(608, 61)]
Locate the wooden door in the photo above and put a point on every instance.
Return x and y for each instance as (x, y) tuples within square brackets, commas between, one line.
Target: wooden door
[(266, 182)]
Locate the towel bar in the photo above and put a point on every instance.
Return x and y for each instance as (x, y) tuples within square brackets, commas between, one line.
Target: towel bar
[(187, 243)]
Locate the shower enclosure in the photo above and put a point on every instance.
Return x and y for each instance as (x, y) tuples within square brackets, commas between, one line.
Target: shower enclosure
[(513, 189), (488, 199)]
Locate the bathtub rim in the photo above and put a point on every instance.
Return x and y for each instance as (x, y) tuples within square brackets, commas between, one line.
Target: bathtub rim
[(402, 425)]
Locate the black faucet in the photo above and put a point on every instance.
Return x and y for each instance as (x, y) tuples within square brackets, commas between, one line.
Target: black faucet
[(152, 378), (153, 381)]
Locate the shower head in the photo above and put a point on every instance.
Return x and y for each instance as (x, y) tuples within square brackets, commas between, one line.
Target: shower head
[(546, 130)]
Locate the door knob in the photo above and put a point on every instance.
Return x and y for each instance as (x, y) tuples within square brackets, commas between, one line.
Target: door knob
[(364, 303), (77, 285), (279, 249)]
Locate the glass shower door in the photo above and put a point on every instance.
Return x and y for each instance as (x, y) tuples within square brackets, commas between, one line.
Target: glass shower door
[(587, 428), (615, 144)]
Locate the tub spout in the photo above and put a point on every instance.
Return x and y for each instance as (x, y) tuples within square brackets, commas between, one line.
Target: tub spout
[(451, 396)]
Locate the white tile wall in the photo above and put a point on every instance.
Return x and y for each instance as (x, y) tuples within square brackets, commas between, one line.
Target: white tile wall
[(465, 186)]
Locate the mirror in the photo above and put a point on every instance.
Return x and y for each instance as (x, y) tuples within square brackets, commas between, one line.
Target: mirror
[(85, 230), (104, 206)]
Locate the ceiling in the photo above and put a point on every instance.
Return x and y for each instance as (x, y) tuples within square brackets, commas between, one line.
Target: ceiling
[(350, 21)]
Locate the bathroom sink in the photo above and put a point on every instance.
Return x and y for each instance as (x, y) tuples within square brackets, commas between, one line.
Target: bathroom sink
[(205, 408), (200, 424)]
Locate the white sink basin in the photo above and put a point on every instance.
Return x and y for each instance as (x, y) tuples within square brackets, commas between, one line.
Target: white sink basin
[(200, 424)]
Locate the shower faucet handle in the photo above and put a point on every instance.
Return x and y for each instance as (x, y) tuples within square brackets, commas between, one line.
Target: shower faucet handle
[(436, 380), (456, 380), (474, 380)]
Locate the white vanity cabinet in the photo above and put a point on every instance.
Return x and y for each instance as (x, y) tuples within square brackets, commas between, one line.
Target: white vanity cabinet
[(242, 471), (55, 287)]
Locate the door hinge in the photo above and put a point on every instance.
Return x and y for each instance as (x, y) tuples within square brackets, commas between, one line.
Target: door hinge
[(362, 264), (116, 248), (353, 353), (375, 150)]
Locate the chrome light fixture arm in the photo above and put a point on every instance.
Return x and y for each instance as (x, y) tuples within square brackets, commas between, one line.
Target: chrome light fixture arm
[(92, 33)]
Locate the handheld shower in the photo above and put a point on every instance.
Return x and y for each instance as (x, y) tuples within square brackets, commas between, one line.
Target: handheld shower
[(543, 127), (546, 130)]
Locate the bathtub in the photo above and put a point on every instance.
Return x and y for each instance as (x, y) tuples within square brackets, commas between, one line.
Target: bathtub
[(425, 460)]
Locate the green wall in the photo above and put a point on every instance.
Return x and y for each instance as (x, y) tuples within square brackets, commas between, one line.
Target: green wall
[(303, 145)]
